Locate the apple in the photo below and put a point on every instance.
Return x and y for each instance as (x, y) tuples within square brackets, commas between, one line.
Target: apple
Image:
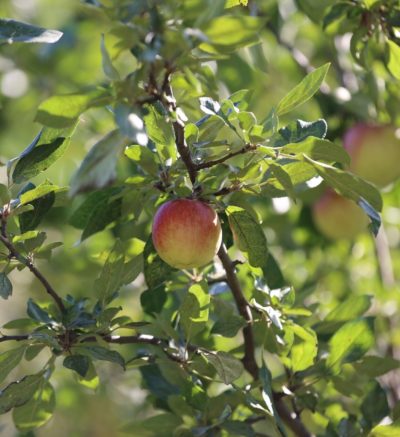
[(374, 151), (338, 217), (186, 233)]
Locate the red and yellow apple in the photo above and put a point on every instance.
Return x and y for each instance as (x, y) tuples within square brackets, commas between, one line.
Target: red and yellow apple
[(186, 233), (338, 217), (374, 151)]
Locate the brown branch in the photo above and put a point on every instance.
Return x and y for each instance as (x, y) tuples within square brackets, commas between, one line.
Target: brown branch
[(27, 262), (179, 131), (13, 337), (242, 305), (209, 164), (249, 361)]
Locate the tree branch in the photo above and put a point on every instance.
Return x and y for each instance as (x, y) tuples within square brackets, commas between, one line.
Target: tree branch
[(27, 262), (209, 164), (14, 337), (179, 130), (249, 361)]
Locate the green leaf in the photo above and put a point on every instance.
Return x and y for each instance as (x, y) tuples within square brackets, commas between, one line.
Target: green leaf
[(38, 192), (267, 395), (33, 351), (48, 146), (110, 279), (394, 59), (195, 308), (6, 287), (79, 363), (250, 238), (299, 130), (249, 235), (232, 3), (63, 111), (228, 368), (303, 91), (153, 300), (9, 361), (156, 271), (392, 430), (374, 406), (143, 157), (98, 169), (102, 215), (101, 353), (109, 70), (230, 32), (304, 349), (350, 343), (347, 184), (15, 31), (41, 205), (20, 392), (161, 424), (91, 380), (160, 131), (21, 324), (37, 411), (228, 323), (351, 308), (318, 149), (284, 178), (36, 313), (373, 366)]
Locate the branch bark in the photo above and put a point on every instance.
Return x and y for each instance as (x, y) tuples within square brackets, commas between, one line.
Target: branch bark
[(249, 361), (28, 263)]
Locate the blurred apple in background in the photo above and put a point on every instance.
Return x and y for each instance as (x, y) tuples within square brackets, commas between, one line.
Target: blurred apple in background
[(374, 151), (338, 217), (186, 233)]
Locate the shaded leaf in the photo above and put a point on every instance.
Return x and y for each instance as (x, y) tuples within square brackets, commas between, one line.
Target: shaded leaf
[(110, 277), (9, 361), (37, 411), (228, 368), (102, 354), (20, 392), (5, 286), (48, 146), (348, 184), (77, 362), (98, 168), (15, 31), (36, 313)]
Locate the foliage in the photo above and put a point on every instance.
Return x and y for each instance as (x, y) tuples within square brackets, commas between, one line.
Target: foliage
[(283, 332)]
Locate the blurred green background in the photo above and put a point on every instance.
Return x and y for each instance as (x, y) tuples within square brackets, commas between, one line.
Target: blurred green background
[(321, 271)]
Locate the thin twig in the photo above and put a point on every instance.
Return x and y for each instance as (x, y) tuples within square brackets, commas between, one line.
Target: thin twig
[(179, 130), (28, 263), (208, 164), (14, 337)]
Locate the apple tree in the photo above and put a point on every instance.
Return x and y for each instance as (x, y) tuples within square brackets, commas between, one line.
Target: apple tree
[(237, 106)]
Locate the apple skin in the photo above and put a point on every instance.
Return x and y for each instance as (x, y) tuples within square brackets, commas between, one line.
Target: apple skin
[(374, 151), (186, 233), (337, 217)]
